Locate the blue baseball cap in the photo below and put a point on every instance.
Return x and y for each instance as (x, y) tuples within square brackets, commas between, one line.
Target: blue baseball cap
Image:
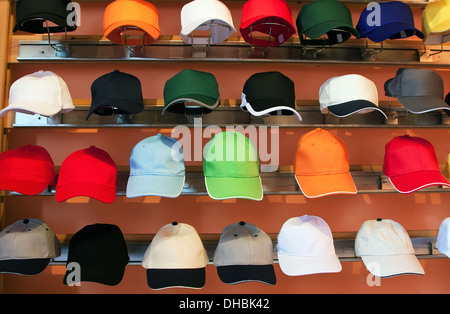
[(156, 168), (395, 21)]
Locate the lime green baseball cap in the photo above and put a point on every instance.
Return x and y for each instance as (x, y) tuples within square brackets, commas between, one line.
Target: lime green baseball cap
[(231, 167), (322, 17)]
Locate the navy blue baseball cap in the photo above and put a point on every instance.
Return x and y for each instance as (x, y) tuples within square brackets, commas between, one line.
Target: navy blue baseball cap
[(395, 21)]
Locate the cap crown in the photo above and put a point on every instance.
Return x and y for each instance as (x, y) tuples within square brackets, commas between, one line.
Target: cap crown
[(410, 82), (157, 155), (345, 88), (176, 246), (436, 19), (320, 152), (306, 236), (407, 154), (382, 238), (28, 239), (243, 244), (230, 155)]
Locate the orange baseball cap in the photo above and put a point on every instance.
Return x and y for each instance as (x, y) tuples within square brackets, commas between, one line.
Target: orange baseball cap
[(321, 165), (137, 13)]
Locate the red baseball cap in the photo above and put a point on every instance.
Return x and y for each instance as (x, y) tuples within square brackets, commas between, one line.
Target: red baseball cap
[(410, 163), (27, 170), (87, 172), (269, 17)]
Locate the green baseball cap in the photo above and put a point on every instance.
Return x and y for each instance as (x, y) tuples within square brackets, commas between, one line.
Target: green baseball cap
[(231, 167), (190, 92), (329, 17)]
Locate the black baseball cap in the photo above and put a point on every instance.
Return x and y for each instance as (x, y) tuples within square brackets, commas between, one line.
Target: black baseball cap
[(269, 93), (116, 93), (32, 14), (101, 252)]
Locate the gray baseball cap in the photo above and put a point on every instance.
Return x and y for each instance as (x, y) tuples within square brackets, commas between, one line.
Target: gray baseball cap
[(418, 90)]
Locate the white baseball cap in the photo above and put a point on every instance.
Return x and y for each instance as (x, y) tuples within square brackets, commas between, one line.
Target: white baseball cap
[(42, 92), (244, 253), (156, 168), (27, 246), (305, 246), (443, 238), (386, 249), (176, 257), (204, 15), (348, 94)]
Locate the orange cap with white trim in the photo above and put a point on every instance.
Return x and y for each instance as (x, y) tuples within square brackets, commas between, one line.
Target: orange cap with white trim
[(131, 13), (321, 165)]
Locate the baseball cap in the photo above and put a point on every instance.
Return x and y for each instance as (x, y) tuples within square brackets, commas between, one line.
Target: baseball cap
[(436, 22), (320, 17), (176, 257), (42, 92), (305, 246), (396, 21), (139, 14), (116, 92), (386, 249), (244, 253), (271, 17), (443, 238), (321, 165), (26, 169), (206, 15), (101, 253), (231, 167), (418, 90), (269, 93), (27, 246), (156, 168), (88, 172), (348, 94), (410, 163), (32, 14), (447, 167), (191, 91)]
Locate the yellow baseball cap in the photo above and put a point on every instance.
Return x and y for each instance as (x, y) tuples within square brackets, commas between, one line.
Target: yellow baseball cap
[(436, 22), (447, 167)]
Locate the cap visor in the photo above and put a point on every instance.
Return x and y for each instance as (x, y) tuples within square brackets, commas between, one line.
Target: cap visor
[(202, 101), (348, 108), (423, 104), (317, 186), (156, 185), (124, 105), (221, 35), (411, 182), (35, 107), (27, 267), (234, 274), (102, 193), (273, 109), (393, 265), (171, 278), (113, 31), (106, 275), (323, 28), (22, 187), (299, 265), (226, 188), (388, 30)]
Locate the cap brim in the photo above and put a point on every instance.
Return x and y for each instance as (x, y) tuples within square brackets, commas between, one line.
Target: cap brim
[(357, 106), (23, 187), (155, 185), (113, 31), (172, 278), (234, 274), (26, 267), (387, 31), (211, 104), (411, 182), (323, 28), (220, 188), (127, 106), (225, 33), (423, 104), (34, 107), (393, 265), (106, 275), (317, 186), (250, 109), (102, 193), (298, 265), (60, 21)]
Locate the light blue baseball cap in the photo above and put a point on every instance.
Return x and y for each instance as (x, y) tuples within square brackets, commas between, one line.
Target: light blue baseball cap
[(156, 168)]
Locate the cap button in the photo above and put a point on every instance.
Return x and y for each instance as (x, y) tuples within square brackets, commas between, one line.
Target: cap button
[(174, 223), (26, 220), (379, 219), (242, 223)]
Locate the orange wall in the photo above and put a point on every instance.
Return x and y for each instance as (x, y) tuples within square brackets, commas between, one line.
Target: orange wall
[(344, 213)]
